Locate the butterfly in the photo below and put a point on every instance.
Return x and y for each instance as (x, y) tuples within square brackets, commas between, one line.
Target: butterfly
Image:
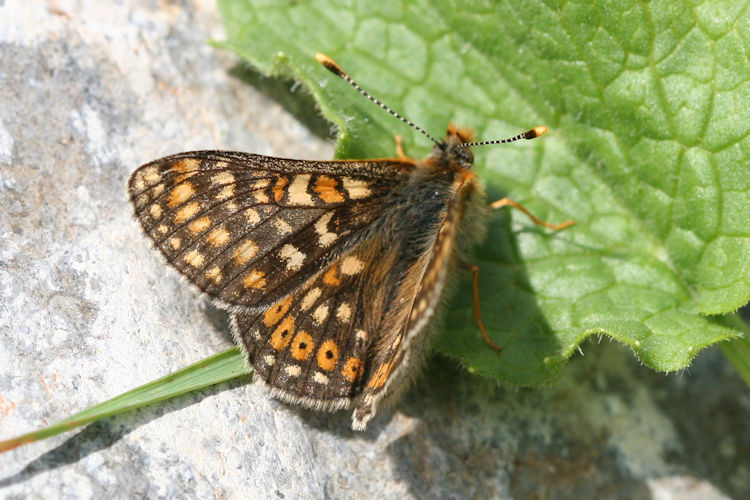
[(332, 271)]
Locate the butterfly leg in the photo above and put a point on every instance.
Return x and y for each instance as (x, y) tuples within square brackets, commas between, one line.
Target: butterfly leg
[(507, 202), (477, 313), (400, 148)]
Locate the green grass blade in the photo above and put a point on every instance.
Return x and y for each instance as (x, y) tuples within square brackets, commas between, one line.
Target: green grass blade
[(221, 367)]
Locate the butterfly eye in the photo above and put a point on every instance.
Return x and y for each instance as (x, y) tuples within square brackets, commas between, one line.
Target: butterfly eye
[(465, 158)]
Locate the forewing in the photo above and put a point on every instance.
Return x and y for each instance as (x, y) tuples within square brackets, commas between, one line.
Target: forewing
[(248, 229), (311, 347)]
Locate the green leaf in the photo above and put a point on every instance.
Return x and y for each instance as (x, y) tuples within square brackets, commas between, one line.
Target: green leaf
[(649, 109)]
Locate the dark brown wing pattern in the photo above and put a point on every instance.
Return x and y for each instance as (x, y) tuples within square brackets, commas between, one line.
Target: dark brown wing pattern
[(246, 229), (312, 346)]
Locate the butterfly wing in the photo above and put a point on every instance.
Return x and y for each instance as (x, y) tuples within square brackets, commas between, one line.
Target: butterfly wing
[(246, 229), (353, 333), (402, 343), (332, 269), (312, 346)]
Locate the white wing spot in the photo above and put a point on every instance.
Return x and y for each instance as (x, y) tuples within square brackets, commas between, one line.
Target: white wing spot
[(155, 211), (351, 265), (293, 370), (309, 299), (226, 192), (344, 312), (321, 227), (222, 178), (320, 378), (356, 188), (282, 226), (151, 175), (297, 190), (320, 314), (251, 216), (194, 258), (293, 257)]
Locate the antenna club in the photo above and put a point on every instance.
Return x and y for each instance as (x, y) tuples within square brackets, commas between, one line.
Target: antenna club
[(535, 132), (330, 64)]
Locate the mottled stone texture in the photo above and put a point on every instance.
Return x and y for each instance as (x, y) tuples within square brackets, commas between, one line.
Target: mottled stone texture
[(89, 90)]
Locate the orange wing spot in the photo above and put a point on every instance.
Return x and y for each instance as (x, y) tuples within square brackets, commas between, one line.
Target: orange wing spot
[(328, 355), (302, 346), (180, 194), (256, 279), (218, 237), (331, 277), (325, 187), (278, 188), (200, 225), (194, 258), (380, 376), (186, 165), (352, 369), (277, 311), (186, 212), (281, 337), (245, 252), (214, 275)]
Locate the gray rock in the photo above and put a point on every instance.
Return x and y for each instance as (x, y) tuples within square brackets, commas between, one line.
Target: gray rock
[(90, 90)]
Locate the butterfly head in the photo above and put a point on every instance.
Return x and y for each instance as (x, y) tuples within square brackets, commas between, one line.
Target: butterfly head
[(452, 149)]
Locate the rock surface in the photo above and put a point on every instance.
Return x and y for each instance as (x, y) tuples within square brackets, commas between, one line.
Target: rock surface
[(90, 90)]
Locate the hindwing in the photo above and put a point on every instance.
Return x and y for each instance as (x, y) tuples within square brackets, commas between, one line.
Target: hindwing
[(312, 347)]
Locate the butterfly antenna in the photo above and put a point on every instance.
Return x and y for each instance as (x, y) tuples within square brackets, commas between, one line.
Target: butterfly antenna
[(336, 69), (529, 134)]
